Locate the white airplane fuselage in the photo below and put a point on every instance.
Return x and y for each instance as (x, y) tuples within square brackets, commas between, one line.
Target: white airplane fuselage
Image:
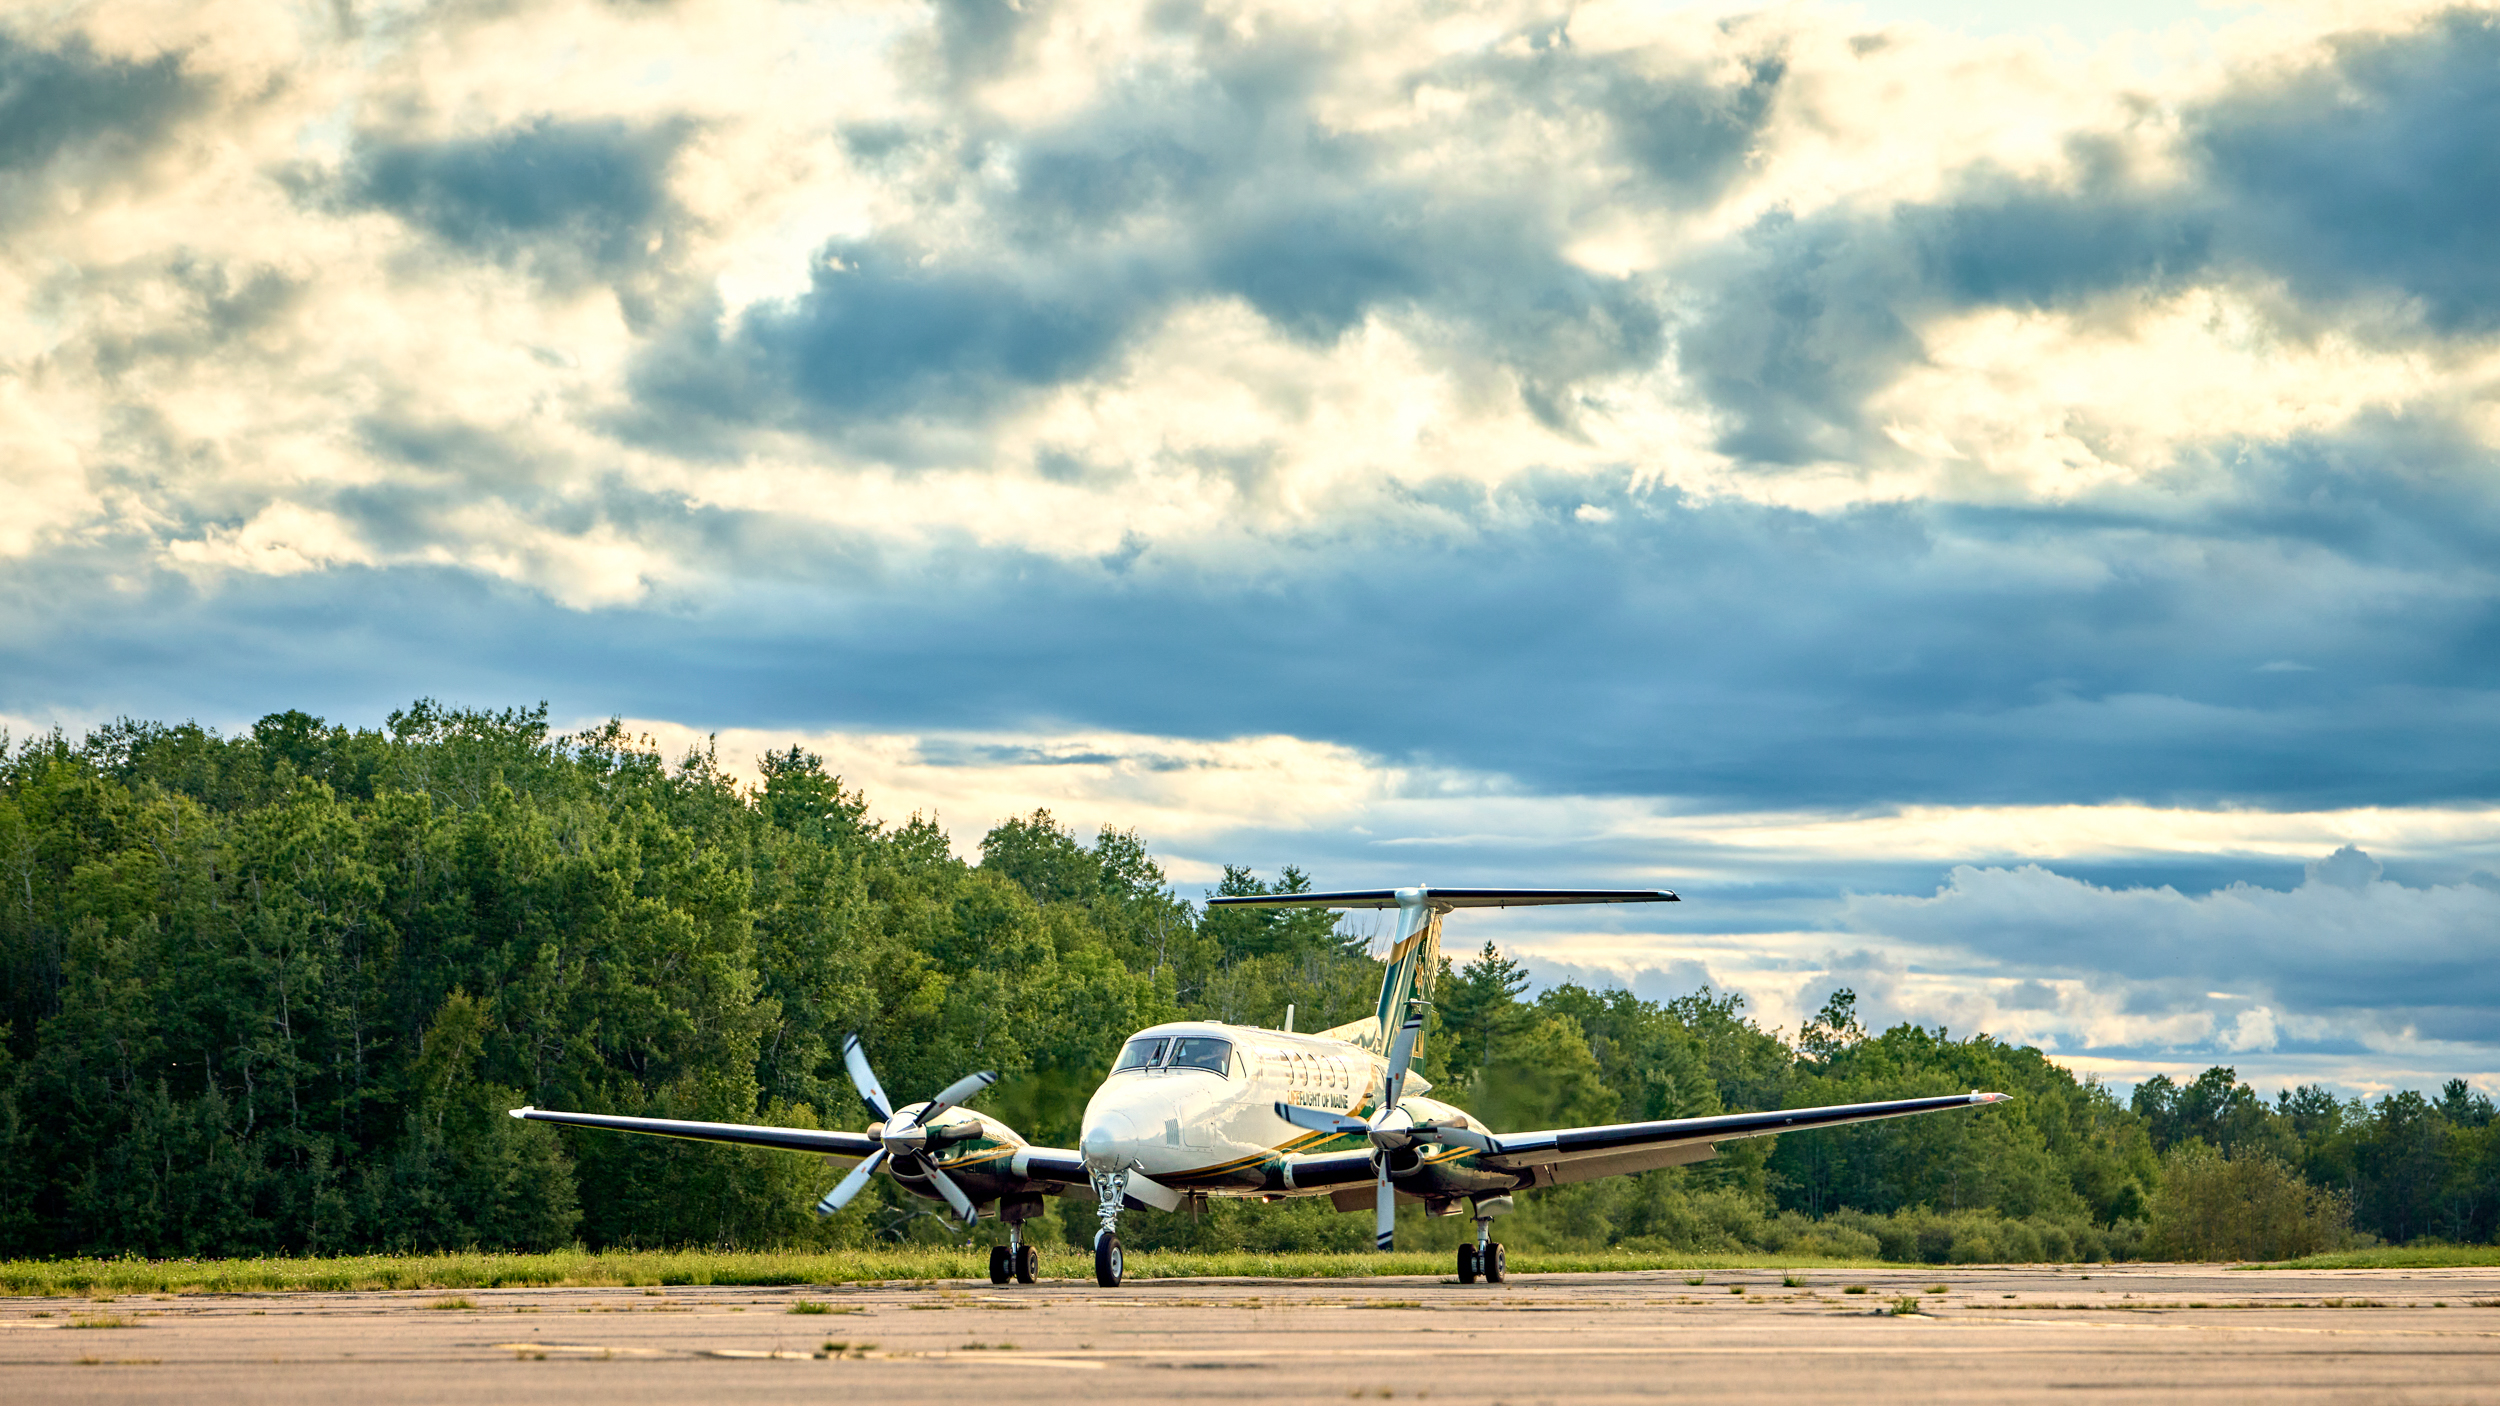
[(1195, 1127)]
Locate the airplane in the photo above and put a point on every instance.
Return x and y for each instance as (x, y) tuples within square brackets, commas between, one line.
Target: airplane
[(1198, 1109)]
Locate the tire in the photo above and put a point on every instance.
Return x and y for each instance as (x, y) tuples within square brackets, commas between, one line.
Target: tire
[(1496, 1263), (1107, 1260), (999, 1267), (1466, 1264), (1028, 1264)]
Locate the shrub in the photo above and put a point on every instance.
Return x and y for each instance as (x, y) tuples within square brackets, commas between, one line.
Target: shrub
[(2246, 1207)]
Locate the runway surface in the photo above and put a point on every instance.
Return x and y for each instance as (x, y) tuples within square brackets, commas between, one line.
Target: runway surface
[(2145, 1332)]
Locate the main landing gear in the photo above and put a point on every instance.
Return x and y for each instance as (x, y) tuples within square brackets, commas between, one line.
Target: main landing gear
[(1486, 1258), (1015, 1260), (1021, 1263)]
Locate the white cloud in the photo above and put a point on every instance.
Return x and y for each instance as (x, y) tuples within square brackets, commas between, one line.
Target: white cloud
[(280, 540), (1211, 423)]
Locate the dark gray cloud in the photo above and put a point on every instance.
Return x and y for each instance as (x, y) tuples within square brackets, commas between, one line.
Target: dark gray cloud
[(1749, 655), (1692, 137), (1186, 183), (1814, 316), (571, 201), (70, 103), (213, 309), (2367, 176), (2374, 173)]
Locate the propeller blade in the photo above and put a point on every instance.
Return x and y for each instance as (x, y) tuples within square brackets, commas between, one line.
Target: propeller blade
[(1385, 1226), (849, 1186), (955, 1093), (954, 1194), (1320, 1120), (864, 1079)]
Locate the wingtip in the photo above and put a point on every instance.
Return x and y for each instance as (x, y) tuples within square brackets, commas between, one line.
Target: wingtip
[(521, 1112), (1977, 1097)]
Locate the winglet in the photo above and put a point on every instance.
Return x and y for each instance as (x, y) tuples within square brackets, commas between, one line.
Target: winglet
[(1977, 1097), (523, 1112)]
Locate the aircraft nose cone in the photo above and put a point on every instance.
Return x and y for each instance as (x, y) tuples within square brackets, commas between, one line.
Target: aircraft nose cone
[(1104, 1133)]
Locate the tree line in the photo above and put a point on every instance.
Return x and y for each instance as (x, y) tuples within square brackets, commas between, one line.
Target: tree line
[(272, 992)]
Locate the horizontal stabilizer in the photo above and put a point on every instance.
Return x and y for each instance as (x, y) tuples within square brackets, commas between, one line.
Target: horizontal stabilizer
[(1444, 898)]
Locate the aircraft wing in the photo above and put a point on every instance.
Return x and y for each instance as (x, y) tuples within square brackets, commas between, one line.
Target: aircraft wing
[(1443, 898), (849, 1147), (1044, 1164), (1565, 1155)]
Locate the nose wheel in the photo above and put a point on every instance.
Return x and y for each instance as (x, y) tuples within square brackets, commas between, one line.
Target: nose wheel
[(1108, 1264)]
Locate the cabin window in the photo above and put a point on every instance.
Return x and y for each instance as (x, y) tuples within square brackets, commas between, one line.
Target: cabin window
[(1202, 1052), (1141, 1054)]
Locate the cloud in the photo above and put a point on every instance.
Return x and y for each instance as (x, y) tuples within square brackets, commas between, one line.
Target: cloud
[(70, 116), (571, 200), (2363, 176), (2379, 956), (1754, 449)]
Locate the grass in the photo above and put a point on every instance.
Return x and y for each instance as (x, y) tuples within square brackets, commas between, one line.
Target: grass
[(99, 1279), (2395, 1257)]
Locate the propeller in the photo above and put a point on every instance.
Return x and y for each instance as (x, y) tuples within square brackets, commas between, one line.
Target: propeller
[(907, 1136), (1390, 1127)]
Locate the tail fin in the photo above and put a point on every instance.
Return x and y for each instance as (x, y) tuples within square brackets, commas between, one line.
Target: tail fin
[(1415, 958)]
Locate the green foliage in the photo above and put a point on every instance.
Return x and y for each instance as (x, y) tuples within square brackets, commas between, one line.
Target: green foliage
[(2243, 1206), (273, 993), (270, 994)]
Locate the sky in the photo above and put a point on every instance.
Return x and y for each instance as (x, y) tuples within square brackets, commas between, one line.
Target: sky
[(1994, 504)]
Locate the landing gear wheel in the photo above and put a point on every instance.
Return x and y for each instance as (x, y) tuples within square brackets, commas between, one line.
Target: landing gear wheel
[(1466, 1264), (1107, 1263), (1496, 1263), (1000, 1267), (1028, 1264)]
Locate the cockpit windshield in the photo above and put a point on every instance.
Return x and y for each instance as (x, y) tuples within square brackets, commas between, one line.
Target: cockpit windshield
[(1199, 1052), (1186, 1052)]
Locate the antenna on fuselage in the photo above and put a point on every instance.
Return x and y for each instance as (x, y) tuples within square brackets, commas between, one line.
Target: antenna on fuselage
[(1289, 1017)]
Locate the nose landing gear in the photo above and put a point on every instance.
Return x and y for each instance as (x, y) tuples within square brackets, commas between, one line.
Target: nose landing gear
[(1110, 1192), (1108, 1262)]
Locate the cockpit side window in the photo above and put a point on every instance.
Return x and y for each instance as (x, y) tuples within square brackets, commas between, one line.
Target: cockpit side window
[(1202, 1052), (1141, 1054)]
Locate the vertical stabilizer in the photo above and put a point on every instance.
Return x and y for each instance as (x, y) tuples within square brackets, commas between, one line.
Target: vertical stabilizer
[(1415, 957)]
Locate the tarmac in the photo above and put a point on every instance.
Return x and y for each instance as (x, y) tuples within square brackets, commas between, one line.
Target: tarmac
[(1936, 1333)]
